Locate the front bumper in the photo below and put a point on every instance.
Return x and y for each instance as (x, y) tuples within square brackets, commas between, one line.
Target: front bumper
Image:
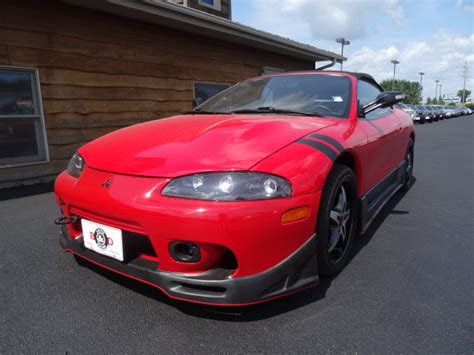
[(215, 287), (239, 241)]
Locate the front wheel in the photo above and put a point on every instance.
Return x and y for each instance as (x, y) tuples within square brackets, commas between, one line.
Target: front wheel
[(337, 220), (409, 162)]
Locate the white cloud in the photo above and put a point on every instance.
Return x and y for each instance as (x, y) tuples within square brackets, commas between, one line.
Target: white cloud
[(441, 58), (328, 19), (465, 5), (395, 11)]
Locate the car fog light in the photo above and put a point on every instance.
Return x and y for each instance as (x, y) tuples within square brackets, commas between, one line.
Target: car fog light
[(185, 252)]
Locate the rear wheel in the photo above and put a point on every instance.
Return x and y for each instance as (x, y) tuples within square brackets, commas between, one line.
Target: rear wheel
[(337, 219)]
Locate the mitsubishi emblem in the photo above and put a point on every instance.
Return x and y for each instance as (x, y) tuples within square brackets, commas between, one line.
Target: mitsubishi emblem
[(106, 183)]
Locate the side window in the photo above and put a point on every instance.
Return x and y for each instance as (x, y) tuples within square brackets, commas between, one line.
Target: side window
[(366, 93), (203, 91), (22, 128)]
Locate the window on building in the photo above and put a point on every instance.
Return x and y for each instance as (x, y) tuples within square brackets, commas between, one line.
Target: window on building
[(22, 130), (213, 4), (204, 91)]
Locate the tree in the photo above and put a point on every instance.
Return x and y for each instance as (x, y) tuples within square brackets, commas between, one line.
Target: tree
[(411, 89), (464, 97), (429, 101), (441, 101), (434, 101), (451, 104)]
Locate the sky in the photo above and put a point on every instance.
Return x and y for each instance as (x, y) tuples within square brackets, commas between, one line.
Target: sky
[(431, 36)]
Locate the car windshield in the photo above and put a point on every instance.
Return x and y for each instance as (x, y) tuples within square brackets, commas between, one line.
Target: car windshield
[(307, 94)]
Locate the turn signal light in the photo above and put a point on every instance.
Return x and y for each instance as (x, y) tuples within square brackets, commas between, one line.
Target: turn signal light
[(295, 214)]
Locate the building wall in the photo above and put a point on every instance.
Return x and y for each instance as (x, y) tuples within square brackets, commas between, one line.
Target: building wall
[(100, 72)]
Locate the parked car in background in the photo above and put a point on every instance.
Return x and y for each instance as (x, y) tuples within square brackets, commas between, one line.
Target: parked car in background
[(420, 116), (452, 111), (426, 113), (447, 113), (439, 111), (433, 112), (466, 111)]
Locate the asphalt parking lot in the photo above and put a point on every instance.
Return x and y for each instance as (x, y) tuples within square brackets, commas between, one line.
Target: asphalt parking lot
[(409, 287)]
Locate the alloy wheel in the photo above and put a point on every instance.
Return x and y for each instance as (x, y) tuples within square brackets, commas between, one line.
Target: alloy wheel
[(339, 226)]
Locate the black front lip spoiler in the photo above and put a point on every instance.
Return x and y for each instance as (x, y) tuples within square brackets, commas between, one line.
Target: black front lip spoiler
[(298, 271)]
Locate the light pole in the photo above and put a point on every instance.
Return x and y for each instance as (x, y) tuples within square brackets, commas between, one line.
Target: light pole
[(421, 83), (343, 42), (421, 77), (436, 91), (440, 86), (394, 62)]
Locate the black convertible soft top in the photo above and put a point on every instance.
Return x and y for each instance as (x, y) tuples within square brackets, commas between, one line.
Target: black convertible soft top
[(360, 76)]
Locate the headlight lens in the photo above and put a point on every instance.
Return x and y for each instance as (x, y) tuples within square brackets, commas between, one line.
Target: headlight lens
[(232, 186), (76, 165)]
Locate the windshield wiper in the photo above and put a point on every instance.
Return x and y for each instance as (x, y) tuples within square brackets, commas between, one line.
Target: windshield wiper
[(271, 109), (204, 112)]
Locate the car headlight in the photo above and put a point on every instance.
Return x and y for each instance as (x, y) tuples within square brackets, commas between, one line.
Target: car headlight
[(76, 165), (231, 186)]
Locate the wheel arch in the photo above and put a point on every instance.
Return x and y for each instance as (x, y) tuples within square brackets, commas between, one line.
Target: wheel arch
[(350, 159)]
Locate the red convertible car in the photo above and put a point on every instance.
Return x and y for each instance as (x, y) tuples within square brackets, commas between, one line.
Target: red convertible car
[(251, 196)]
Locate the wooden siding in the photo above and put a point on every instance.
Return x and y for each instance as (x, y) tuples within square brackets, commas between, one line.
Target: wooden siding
[(100, 72)]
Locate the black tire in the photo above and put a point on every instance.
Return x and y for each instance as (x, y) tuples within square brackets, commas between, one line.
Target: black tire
[(409, 164), (332, 256)]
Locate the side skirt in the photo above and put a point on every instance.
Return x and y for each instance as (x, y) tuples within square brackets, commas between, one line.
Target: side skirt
[(374, 200)]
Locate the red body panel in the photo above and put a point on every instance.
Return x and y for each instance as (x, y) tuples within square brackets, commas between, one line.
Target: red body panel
[(142, 159)]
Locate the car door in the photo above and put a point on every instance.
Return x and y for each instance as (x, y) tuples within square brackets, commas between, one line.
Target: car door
[(384, 138)]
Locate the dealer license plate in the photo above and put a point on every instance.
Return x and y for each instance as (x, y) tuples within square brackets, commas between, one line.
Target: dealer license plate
[(102, 239)]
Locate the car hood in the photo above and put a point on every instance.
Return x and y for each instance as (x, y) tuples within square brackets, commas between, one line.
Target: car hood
[(187, 144)]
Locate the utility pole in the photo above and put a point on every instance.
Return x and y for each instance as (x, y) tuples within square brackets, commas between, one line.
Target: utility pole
[(394, 62), (436, 92), (440, 86), (465, 74), (343, 42)]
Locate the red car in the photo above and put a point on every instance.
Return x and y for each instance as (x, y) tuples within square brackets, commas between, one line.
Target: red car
[(249, 197)]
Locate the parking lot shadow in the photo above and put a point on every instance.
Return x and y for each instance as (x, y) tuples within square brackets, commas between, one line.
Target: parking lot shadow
[(259, 311)]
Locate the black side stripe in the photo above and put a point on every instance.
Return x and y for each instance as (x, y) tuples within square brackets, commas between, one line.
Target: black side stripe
[(323, 148), (329, 140)]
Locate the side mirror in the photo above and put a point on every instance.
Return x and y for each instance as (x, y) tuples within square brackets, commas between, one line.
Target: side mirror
[(197, 101), (384, 99)]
